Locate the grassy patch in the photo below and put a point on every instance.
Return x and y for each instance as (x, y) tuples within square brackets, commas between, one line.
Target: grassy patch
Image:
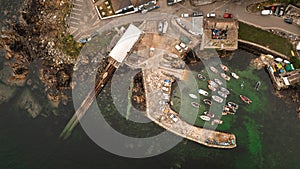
[(259, 36)]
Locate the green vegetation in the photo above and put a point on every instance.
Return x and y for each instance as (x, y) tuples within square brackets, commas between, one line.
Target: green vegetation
[(259, 36), (294, 2), (70, 46), (295, 62)]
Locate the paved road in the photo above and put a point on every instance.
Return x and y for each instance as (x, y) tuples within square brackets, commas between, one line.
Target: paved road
[(84, 20)]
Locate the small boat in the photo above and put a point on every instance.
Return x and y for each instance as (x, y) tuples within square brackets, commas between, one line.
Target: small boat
[(211, 88), (257, 85), (233, 105), (209, 114), (213, 84), (213, 69), (217, 99), (222, 94), (203, 92), (205, 118), (218, 81), (224, 90), (228, 109), (206, 101), (234, 75), (245, 99), (193, 96), (225, 68), (217, 121), (197, 105), (201, 77), (224, 76)]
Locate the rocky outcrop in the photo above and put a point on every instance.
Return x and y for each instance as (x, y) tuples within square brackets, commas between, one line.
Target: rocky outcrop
[(28, 103), (6, 93)]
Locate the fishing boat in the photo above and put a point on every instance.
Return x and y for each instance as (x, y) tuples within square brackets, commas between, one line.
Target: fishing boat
[(225, 68), (213, 84), (211, 88), (203, 92), (207, 101), (229, 109), (217, 99), (233, 105), (197, 105), (213, 69), (257, 85), (205, 118), (201, 77), (218, 81), (234, 75), (222, 94), (245, 99), (209, 114), (224, 76), (216, 121), (224, 90), (193, 96)]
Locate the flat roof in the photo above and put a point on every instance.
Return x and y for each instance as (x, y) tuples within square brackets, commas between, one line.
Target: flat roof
[(120, 4), (125, 44)]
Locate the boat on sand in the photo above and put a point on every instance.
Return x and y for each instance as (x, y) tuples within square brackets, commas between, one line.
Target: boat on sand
[(225, 68), (193, 96), (195, 104), (207, 101), (213, 69), (201, 77), (217, 99), (224, 76)]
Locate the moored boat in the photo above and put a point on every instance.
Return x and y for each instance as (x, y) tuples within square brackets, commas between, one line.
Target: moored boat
[(257, 85), (211, 88), (233, 105), (217, 99), (245, 99), (224, 76), (209, 114), (218, 81), (225, 68), (213, 69), (205, 118), (222, 94), (224, 90), (229, 110), (197, 105), (203, 92), (193, 96), (201, 77), (217, 121), (213, 84), (207, 101), (234, 75)]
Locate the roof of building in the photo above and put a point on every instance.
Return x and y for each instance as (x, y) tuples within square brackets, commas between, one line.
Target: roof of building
[(223, 24), (125, 44), (298, 46), (120, 4)]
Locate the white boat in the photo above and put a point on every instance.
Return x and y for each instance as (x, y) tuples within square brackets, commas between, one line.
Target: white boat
[(211, 88), (203, 92), (225, 68), (224, 90), (194, 104), (222, 94), (233, 105), (217, 99), (217, 121), (218, 81), (193, 96), (202, 77), (224, 76), (213, 69), (209, 114), (234, 75), (205, 118), (213, 84)]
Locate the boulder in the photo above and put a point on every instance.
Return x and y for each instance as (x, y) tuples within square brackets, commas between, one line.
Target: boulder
[(28, 103)]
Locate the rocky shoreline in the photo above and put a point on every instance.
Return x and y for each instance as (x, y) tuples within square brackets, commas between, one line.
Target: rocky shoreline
[(34, 46)]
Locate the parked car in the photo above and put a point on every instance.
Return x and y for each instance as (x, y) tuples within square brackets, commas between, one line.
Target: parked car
[(228, 15), (266, 12), (185, 15), (183, 46), (195, 14), (288, 20), (178, 48), (281, 12), (211, 15), (160, 27)]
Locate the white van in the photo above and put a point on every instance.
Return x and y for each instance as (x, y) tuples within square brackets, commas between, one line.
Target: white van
[(266, 12), (178, 48)]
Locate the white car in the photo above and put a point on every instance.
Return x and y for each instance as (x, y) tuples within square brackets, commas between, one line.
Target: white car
[(178, 48), (174, 118), (184, 15), (211, 15), (183, 46), (266, 12)]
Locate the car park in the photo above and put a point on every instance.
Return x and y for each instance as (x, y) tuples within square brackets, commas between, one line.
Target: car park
[(178, 48), (211, 15), (228, 15), (288, 20)]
